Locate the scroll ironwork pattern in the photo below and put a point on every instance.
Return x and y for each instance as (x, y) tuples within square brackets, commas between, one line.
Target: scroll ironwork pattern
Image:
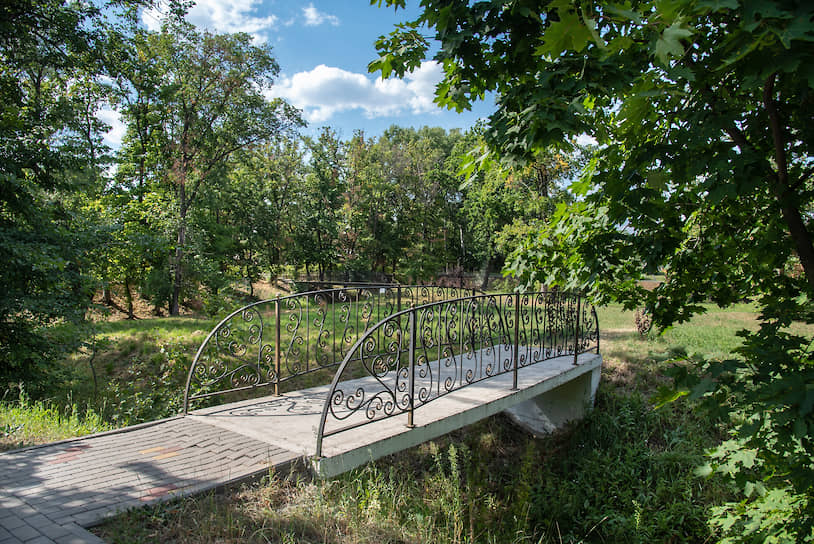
[(415, 356), (273, 341)]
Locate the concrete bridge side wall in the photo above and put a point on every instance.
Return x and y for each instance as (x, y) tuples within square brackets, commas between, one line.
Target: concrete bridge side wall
[(553, 397)]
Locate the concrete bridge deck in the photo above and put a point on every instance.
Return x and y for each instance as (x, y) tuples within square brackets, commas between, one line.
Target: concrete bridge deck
[(290, 422)]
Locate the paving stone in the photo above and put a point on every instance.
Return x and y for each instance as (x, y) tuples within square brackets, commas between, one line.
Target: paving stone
[(25, 533), (38, 520), (10, 502), (40, 540), (54, 531), (11, 522), (79, 539)]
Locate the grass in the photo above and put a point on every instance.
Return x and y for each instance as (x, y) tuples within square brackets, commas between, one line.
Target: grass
[(25, 423), (622, 474)]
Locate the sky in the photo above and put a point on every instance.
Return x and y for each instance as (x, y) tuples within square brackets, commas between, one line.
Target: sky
[(323, 49)]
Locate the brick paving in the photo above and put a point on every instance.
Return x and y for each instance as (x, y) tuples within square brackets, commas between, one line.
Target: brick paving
[(50, 494)]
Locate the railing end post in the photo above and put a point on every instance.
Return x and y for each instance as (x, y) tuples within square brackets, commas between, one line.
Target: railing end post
[(277, 350), (596, 321), (516, 354), (577, 320), (411, 377)]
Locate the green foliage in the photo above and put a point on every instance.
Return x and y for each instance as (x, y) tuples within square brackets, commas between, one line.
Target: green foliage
[(768, 394), (682, 97), (702, 112), (152, 386), (624, 460), (317, 203), (52, 157), (401, 211)]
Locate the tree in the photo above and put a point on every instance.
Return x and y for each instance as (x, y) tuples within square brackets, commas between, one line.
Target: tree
[(318, 203), (50, 149), (702, 111), (430, 197), (372, 235), (210, 105), (401, 203), (504, 204)]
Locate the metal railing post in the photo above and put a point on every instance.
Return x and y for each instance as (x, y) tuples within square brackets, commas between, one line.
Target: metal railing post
[(576, 329), (516, 340), (277, 350), (411, 362), (596, 321), (398, 299)]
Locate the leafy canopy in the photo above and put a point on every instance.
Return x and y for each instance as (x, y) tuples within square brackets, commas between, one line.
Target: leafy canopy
[(702, 111)]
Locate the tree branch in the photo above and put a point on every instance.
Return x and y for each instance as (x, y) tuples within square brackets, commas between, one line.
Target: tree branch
[(803, 178), (777, 131), (733, 131), (784, 194)]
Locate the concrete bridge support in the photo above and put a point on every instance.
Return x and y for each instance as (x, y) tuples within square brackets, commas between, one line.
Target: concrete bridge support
[(555, 407)]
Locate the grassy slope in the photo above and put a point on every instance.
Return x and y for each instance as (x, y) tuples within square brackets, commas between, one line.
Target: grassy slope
[(140, 367), (623, 474), (23, 422)]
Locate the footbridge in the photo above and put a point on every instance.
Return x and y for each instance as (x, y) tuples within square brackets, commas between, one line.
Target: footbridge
[(335, 378), (354, 373)]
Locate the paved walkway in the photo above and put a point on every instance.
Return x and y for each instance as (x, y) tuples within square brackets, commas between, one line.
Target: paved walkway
[(50, 493)]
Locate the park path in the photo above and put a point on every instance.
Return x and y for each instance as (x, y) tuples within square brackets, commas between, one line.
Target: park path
[(50, 494)]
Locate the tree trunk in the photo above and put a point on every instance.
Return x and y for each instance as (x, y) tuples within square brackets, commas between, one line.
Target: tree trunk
[(93, 352), (107, 298), (485, 281), (786, 196), (128, 295), (175, 306)]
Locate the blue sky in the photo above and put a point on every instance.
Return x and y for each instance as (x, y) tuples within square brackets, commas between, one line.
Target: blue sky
[(323, 48)]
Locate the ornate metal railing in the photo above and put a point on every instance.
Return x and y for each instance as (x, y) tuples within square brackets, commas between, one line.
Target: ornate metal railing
[(270, 342), (420, 354)]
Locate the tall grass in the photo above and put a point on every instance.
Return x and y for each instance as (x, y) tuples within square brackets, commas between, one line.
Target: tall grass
[(623, 474), (24, 422)]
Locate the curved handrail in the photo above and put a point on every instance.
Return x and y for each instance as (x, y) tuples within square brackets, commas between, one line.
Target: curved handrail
[(311, 331), (417, 355)]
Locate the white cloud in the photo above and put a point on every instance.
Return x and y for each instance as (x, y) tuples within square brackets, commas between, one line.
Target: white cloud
[(327, 90), (224, 16), (314, 17), (111, 117), (586, 139)]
